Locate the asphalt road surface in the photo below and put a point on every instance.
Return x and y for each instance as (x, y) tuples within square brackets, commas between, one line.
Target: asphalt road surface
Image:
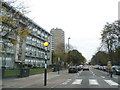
[(91, 79)]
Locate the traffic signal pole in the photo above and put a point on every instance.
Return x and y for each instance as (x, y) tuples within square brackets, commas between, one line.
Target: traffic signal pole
[(45, 73), (46, 44)]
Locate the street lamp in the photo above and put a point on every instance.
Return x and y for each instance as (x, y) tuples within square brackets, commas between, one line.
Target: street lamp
[(46, 44), (68, 44), (58, 64)]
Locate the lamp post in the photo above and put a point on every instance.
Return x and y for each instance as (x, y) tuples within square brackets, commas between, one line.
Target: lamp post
[(58, 64), (68, 44), (46, 44)]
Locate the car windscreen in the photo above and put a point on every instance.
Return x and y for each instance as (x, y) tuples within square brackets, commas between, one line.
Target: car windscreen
[(85, 65), (118, 67), (72, 67)]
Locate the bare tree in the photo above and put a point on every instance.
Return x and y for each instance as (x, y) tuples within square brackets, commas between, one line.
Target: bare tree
[(111, 38)]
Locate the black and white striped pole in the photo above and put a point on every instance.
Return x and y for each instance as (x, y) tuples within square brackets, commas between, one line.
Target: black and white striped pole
[(46, 44)]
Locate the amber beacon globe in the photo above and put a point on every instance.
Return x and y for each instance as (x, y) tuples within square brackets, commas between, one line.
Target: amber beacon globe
[(46, 44)]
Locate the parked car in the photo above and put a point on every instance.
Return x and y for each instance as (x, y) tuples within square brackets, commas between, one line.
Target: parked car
[(100, 67), (96, 66), (116, 69), (80, 67), (72, 69), (104, 68), (85, 67)]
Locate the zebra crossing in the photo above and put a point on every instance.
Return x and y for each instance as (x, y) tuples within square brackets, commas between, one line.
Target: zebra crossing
[(77, 81), (91, 82), (111, 83), (116, 77)]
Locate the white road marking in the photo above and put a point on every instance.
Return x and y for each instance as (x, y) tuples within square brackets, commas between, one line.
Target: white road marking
[(102, 76), (93, 82), (78, 74), (80, 71), (66, 82), (92, 73), (77, 81), (111, 83)]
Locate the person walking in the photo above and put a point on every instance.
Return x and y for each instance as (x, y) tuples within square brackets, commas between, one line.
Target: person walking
[(110, 70)]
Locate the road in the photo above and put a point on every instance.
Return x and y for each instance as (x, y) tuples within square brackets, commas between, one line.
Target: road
[(83, 79), (90, 79)]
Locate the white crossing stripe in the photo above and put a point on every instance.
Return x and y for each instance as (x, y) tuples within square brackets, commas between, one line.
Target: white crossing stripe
[(77, 81), (102, 76), (66, 82), (93, 82), (111, 83)]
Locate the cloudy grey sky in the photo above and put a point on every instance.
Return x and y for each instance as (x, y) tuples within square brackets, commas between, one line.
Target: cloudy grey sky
[(82, 20)]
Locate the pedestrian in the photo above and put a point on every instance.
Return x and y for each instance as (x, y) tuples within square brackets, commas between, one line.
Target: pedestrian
[(110, 70)]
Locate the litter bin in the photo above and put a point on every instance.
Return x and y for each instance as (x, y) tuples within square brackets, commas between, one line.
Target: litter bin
[(24, 72), (55, 69)]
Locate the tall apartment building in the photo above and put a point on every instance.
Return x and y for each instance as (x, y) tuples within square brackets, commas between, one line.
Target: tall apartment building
[(29, 49), (58, 40)]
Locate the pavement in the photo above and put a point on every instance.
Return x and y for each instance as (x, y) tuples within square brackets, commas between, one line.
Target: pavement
[(28, 82)]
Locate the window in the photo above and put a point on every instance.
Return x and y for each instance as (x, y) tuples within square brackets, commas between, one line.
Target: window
[(39, 32)]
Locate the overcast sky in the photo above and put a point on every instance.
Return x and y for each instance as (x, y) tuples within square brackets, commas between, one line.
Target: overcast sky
[(81, 20)]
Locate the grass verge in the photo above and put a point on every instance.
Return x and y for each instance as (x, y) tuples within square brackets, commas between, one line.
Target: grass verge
[(17, 72)]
